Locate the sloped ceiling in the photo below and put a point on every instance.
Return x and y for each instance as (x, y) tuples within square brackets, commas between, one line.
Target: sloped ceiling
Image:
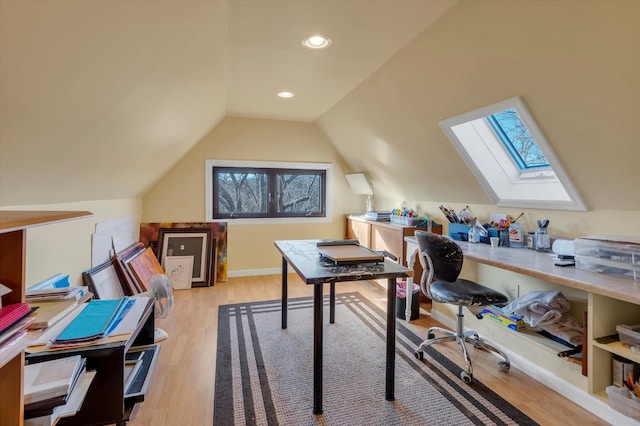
[(575, 65), (98, 99)]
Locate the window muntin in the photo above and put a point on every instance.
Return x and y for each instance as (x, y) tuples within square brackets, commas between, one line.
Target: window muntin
[(265, 192), (494, 166)]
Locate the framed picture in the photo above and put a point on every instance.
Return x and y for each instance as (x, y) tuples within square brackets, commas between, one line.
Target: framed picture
[(121, 261), (103, 281), (194, 242), (179, 270), (143, 267)]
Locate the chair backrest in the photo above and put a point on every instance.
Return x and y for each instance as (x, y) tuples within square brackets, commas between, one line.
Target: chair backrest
[(445, 256)]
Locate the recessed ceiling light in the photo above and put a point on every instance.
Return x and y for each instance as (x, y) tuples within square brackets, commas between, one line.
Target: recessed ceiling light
[(286, 94), (316, 41)]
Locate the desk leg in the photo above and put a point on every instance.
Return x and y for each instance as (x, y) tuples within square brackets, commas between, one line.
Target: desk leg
[(284, 293), (391, 340), (317, 348), (332, 303)]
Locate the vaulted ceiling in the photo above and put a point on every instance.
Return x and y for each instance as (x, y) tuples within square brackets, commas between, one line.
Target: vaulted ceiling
[(100, 98)]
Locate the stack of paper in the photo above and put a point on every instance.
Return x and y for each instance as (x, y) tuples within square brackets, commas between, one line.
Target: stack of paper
[(74, 402), (63, 293), (48, 384), (49, 313)]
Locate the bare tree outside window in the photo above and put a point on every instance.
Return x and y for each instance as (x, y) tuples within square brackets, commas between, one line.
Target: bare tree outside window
[(519, 142), (254, 193)]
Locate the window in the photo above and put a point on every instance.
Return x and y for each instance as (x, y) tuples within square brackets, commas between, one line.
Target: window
[(265, 190), (510, 157), (517, 140)]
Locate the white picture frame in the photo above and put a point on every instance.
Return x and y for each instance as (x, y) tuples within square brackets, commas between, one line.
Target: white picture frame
[(178, 270)]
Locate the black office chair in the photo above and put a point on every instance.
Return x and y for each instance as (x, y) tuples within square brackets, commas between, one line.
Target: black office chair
[(442, 259)]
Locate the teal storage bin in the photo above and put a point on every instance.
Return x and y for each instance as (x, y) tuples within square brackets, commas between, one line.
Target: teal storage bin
[(460, 232)]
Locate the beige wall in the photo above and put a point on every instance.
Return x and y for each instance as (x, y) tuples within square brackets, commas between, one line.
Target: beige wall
[(180, 194), (575, 64), (65, 247)]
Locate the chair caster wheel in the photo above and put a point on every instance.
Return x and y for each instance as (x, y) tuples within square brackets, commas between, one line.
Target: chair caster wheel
[(466, 377), (504, 366), (419, 355), (430, 335)]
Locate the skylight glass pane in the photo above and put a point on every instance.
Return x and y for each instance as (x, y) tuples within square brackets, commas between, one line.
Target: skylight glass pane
[(517, 140), (511, 158)]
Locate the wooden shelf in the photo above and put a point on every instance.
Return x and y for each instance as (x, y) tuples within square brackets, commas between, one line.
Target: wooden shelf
[(13, 226), (13, 220), (618, 348)]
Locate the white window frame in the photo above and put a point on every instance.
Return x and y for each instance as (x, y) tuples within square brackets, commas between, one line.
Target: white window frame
[(327, 167), (493, 167)]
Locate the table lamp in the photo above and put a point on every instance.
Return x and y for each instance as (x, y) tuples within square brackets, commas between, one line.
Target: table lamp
[(360, 185)]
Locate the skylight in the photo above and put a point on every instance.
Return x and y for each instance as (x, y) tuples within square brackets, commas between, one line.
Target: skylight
[(504, 148), (517, 140)]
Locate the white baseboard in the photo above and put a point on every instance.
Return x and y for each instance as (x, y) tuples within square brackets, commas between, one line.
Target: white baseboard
[(581, 397), (254, 272)]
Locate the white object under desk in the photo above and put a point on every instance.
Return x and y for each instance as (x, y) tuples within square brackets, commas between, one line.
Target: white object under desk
[(612, 300)]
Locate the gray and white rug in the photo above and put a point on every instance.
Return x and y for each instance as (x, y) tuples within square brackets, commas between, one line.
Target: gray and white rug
[(264, 374)]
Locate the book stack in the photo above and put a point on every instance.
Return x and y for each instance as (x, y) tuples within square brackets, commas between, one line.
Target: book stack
[(49, 384), (49, 313), (55, 294), (378, 216)]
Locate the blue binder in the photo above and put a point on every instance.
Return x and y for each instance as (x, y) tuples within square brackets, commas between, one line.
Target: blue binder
[(93, 322)]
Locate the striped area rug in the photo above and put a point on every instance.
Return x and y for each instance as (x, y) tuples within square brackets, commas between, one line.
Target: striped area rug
[(264, 375)]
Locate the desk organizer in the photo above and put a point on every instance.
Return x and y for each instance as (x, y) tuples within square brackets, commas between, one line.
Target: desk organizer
[(609, 254), (408, 221), (460, 232), (620, 400)]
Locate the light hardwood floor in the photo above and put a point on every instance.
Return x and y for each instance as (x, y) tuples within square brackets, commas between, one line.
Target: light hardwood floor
[(181, 392)]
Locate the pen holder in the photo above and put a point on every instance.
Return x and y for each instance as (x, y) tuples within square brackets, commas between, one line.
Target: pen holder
[(503, 235)]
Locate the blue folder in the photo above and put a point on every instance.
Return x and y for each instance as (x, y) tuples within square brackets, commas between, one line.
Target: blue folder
[(93, 322)]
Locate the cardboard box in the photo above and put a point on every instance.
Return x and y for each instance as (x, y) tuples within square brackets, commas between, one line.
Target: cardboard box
[(496, 315)]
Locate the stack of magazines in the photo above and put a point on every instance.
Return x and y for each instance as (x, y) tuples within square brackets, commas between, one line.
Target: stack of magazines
[(14, 321), (378, 216), (49, 384)]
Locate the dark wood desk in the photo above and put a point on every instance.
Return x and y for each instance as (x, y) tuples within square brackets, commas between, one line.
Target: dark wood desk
[(304, 257)]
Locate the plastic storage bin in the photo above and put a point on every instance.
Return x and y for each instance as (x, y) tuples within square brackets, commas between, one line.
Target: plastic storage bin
[(621, 401), (408, 221), (401, 301), (629, 334), (460, 232), (610, 254)]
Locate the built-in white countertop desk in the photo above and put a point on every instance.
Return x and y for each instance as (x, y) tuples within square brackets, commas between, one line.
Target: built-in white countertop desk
[(540, 265), (612, 300)]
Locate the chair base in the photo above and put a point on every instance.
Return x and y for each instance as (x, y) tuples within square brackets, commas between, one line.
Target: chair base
[(462, 337)]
